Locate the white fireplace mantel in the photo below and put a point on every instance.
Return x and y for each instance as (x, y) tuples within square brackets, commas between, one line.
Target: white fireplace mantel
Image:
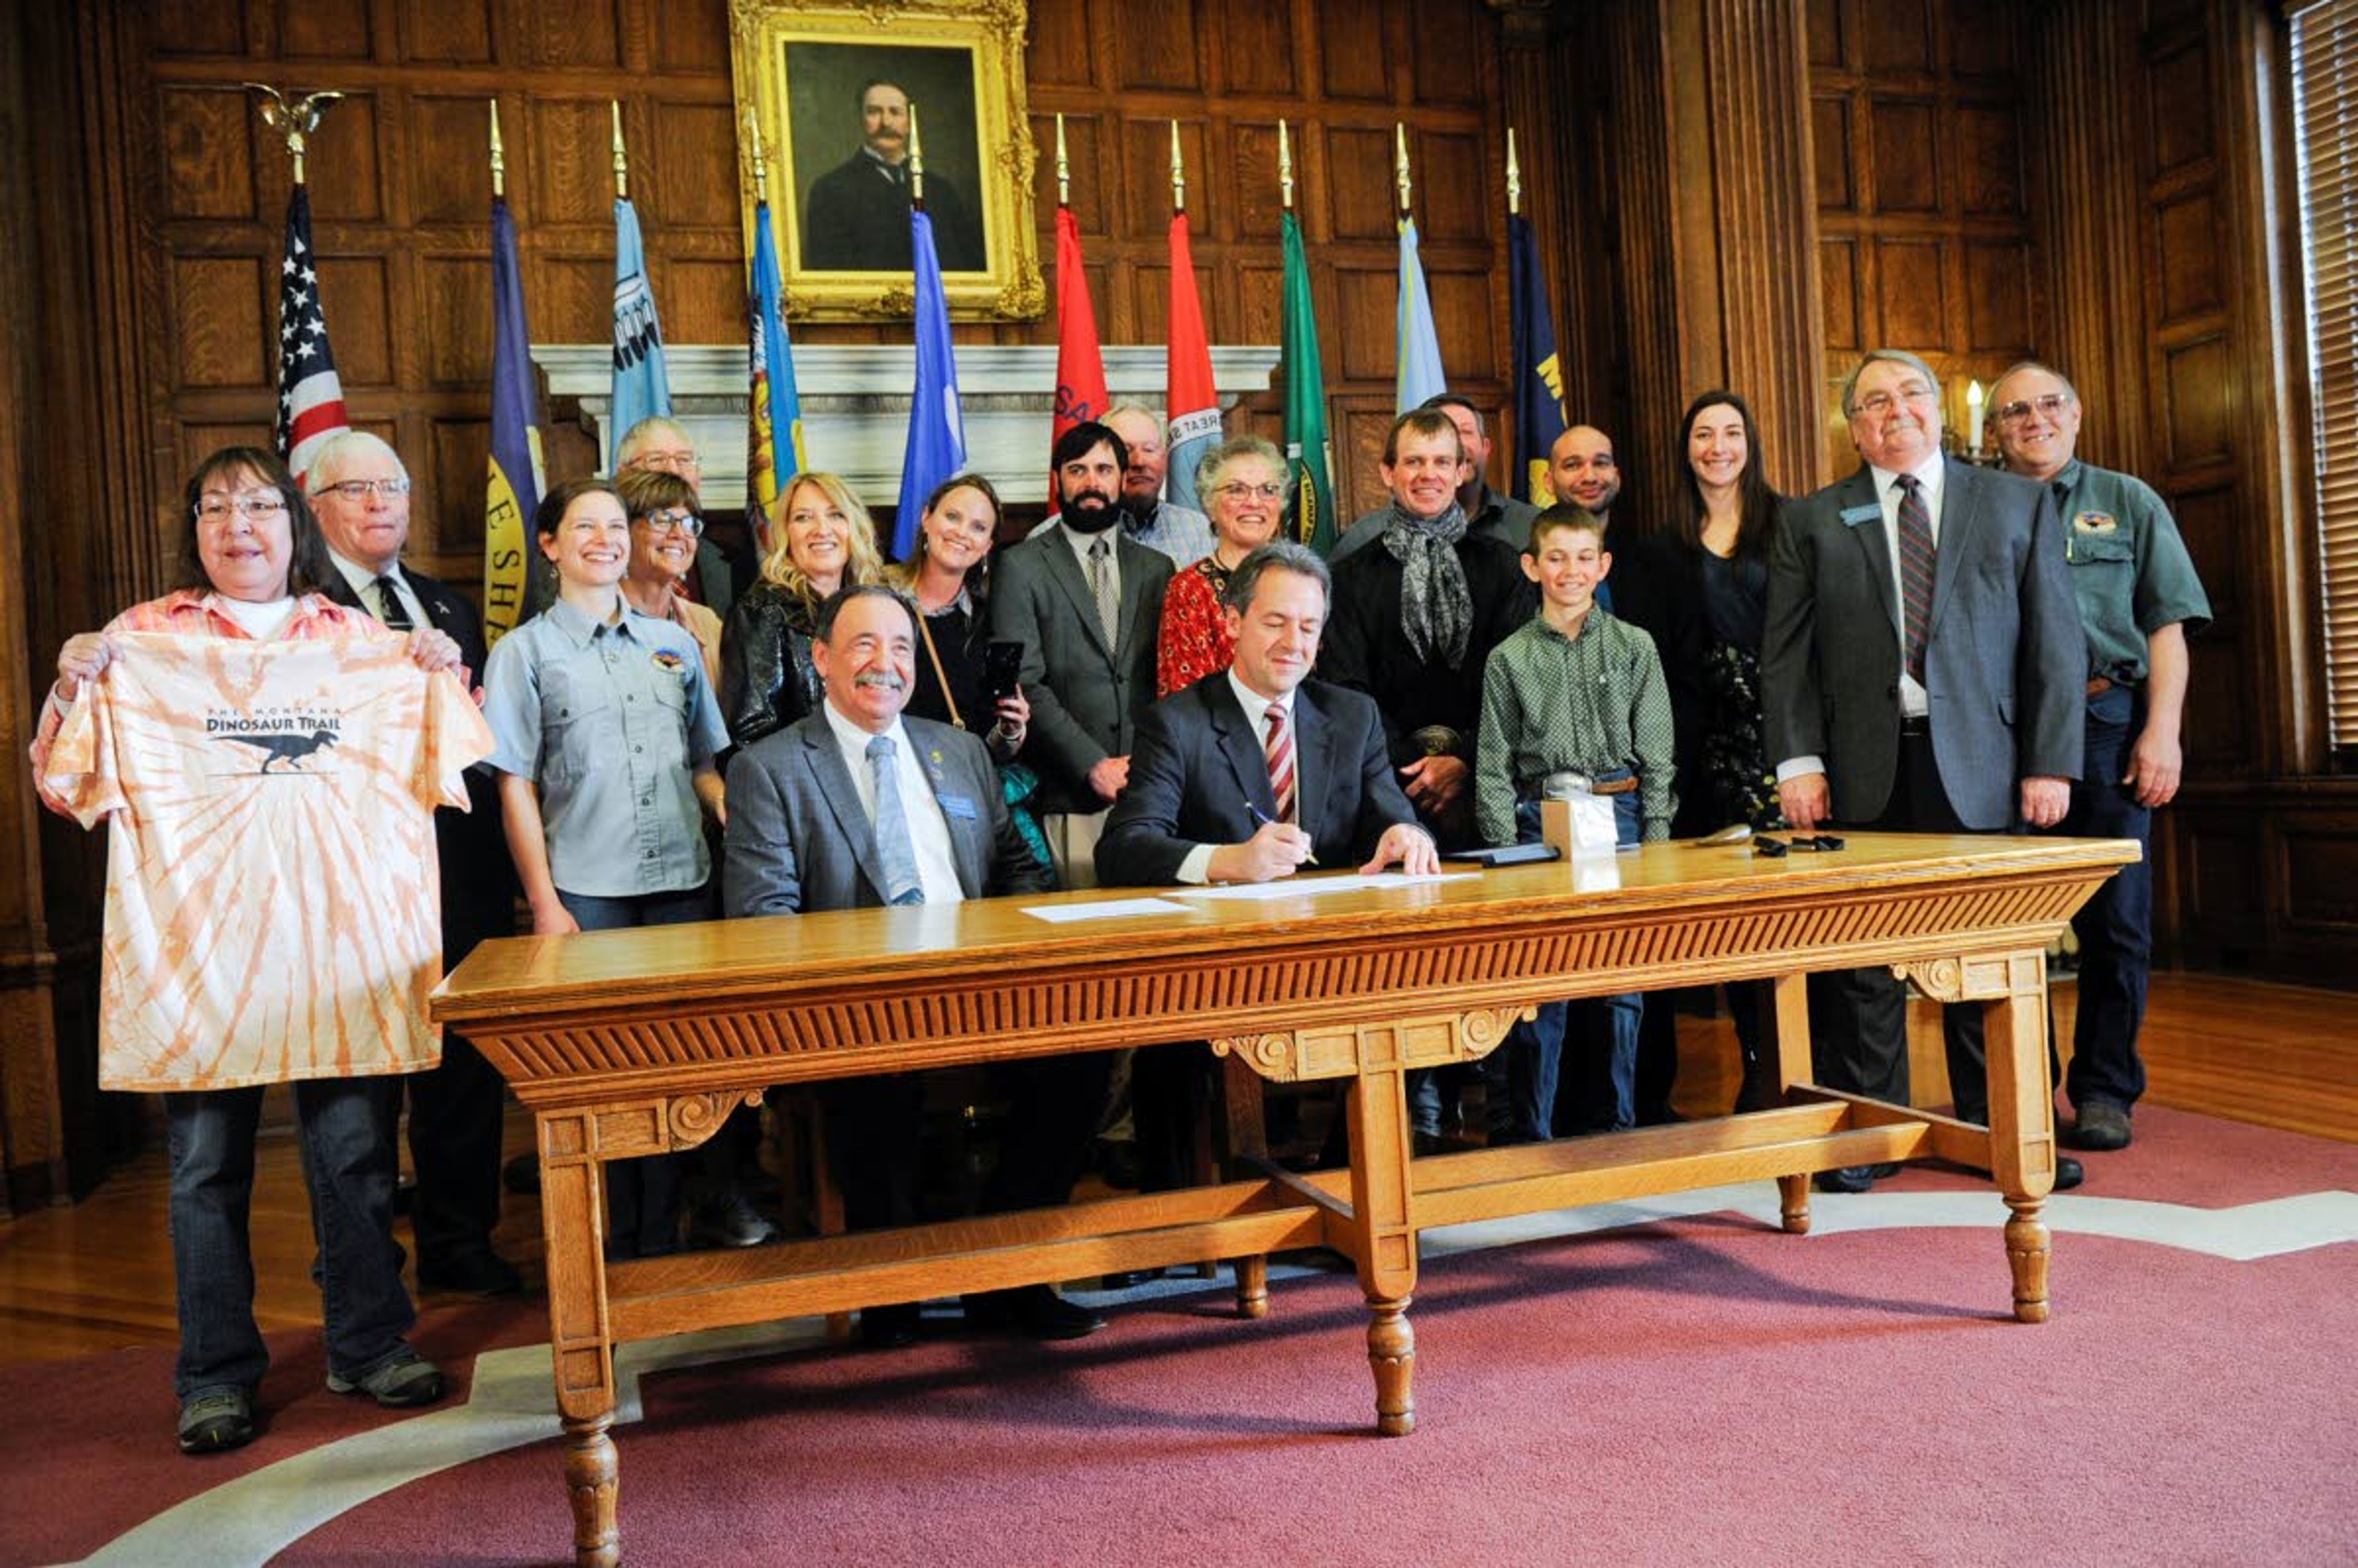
[(855, 400)]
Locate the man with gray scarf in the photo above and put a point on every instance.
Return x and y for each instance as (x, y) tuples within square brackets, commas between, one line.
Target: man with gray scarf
[(1415, 617)]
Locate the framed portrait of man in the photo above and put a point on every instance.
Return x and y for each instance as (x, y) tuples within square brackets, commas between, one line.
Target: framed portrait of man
[(845, 96)]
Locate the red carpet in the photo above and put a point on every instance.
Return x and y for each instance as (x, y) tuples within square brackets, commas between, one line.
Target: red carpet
[(1705, 1390)]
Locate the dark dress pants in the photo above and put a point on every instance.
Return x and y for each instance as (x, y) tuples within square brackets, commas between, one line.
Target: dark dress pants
[(2115, 926)]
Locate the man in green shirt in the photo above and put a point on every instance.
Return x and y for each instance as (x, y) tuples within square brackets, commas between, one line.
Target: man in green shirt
[(2138, 598), (1572, 701)]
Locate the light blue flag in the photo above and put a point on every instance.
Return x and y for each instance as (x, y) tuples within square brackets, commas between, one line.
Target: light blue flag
[(642, 386), (1421, 374), (936, 447)]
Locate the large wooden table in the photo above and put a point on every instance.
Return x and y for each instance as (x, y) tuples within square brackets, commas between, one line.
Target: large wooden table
[(634, 1042)]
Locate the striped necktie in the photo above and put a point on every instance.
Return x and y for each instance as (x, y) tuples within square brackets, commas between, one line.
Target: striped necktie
[(390, 608), (1279, 751), (1916, 553), (894, 851)]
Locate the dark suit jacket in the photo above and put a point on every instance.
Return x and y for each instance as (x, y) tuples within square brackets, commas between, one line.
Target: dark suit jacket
[(857, 220), (1199, 760), (479, 885), (1087, 698), (798, 840), (2005, 659)]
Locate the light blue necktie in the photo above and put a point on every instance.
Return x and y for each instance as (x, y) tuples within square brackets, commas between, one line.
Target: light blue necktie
[(893, 846)]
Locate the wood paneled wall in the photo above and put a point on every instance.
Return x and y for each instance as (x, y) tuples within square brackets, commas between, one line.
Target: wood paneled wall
[(1924, 231)]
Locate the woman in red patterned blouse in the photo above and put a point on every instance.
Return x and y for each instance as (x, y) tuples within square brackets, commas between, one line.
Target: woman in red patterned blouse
[(1245, 485)]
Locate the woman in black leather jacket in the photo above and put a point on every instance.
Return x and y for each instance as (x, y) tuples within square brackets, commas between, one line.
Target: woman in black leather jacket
[(824, 540)]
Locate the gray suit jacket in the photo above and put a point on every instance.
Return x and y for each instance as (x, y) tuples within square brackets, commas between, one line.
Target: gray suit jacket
[(1086, 697), (1199, 774), (2005, 658), (798, 840)]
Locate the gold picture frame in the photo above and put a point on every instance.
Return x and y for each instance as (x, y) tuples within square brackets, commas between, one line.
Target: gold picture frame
[(805, 72)]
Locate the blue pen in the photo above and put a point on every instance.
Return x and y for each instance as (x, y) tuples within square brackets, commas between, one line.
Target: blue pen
[(1265, 818)]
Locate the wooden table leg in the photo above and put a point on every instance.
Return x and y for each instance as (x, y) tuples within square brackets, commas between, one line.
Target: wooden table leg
[(2022, 1122), (1246, 1133), (573, 1213), (1791, 994), (1382, 1198)]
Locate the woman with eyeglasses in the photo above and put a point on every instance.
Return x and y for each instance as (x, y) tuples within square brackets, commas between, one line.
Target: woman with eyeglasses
[(823, 538), (667, 521), (1723, 765), (253, 567), (949, 578), (1245, 483)]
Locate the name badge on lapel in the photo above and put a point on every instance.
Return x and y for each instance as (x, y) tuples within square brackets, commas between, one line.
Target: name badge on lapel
[(960, 807), (1853, 516)]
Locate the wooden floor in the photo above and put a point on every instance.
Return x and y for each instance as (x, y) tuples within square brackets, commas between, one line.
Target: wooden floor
[(98, 1275)]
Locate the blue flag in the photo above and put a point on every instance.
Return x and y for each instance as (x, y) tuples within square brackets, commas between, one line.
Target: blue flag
[(1420, 349), (775, 431), (514, 494), (642, 386), (936, 447), (1538, 375)]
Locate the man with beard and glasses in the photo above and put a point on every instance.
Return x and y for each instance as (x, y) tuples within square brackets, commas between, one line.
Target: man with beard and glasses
[(1085, 600), (858, 806)]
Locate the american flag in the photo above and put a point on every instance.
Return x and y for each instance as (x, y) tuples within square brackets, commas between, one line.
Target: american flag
[(310, 398)]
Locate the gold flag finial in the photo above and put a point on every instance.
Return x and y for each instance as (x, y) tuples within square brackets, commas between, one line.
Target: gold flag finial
[(1514, 177), (1063, 167), (1400, 164), (622, 157), (1178, 173), (499, 155), (294, 121), (761, 164), (916, 161), (1284, 167)]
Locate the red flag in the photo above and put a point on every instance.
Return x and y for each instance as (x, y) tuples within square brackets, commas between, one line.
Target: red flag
[(1080, 363), (1189, 402)]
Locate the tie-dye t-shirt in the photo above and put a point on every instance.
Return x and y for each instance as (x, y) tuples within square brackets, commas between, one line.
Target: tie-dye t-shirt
[(272, 897)]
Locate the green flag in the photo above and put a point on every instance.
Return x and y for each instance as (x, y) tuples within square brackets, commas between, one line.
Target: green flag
[(1306, 451)]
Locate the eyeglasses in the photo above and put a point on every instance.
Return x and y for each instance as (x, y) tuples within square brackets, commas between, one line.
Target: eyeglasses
[(665, 461), (360, 490), (2048, 404), (1238, 490), (1875, 405), (675, 522), (253, 505)]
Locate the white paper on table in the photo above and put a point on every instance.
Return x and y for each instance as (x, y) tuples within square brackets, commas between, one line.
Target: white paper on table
[(1105, 909), (1296, 887)]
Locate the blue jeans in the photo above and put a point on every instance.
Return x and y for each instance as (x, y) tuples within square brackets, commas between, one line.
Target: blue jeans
[(2115, 926), (642, 1197), (346, 1127), (1524, 1074)]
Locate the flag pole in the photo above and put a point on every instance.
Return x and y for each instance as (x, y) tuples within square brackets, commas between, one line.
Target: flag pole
[(1178, 173), (916, 161), (295, 121), (621, 156), (1514, 177), (1063, 167), (1400, 167), (499, 155), (1284, 167), (761, 164)]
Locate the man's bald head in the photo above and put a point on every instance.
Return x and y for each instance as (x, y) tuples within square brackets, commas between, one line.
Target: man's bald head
[(1581, 470)]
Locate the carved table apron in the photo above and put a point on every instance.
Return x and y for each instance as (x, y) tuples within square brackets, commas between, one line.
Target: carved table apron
[(631, 1042)]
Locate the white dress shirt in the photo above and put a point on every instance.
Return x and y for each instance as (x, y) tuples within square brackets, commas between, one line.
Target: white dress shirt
[(929, 832), (1196, 868), (363, 586)]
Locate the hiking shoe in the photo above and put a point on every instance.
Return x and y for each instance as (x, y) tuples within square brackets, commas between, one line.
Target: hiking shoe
[(2102, 1126), (398, 1382), (211, 1422)]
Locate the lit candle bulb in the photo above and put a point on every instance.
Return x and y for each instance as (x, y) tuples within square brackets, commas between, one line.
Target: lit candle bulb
[(1973, 398)]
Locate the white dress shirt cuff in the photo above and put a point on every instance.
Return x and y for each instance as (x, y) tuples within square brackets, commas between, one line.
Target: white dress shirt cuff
[(1195, 870), (1797, 766)]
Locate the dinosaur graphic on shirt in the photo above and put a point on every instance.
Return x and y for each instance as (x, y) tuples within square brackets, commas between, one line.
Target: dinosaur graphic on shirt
[(288, 749)]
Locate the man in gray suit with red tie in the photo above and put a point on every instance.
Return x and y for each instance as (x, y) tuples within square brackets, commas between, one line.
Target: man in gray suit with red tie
[(1922, 672), (857, 807), (1085, 600)]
